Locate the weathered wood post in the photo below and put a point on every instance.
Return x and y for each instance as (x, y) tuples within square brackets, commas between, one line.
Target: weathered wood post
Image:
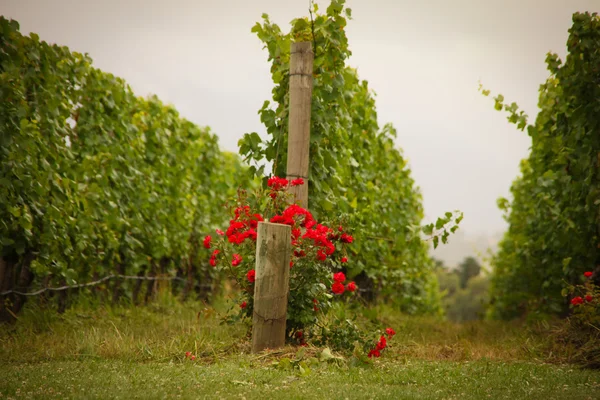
[(273, 245), (301, 84), (273, 248)]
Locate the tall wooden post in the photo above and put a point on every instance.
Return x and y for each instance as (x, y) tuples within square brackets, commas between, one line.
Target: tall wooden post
[(301, 83), (273, 248)]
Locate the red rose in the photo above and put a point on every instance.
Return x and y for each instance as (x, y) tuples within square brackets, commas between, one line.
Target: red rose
[(187, 354), (291, 264), (576, 300), (219, 232), (321, 256), (252, 234), (207, 240), (243, 305), (213, 258), (237, 259), (390, 332), (588, 274), (351, 287), (382, 344), (193, 358), (251, 275), (277, 183), (589, 298), (299, 334), (344, 259), (339, 277), (347, 238), (297, 182), (374, 353), (337, 288)]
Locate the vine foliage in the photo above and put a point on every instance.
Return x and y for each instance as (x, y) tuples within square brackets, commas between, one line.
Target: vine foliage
[(96, 181), (355, 167), (554, 219)]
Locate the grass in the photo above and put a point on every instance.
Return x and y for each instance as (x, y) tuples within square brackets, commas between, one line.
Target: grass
[(241, 377), (127, 352)]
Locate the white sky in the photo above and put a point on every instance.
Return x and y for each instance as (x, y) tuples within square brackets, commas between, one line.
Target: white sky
[(423, 59)]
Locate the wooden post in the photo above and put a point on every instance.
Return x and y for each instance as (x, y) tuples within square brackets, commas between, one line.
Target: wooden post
[(271, 286), (301, 83)]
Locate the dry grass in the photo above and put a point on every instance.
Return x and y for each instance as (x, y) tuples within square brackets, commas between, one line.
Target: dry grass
[(167, 329)]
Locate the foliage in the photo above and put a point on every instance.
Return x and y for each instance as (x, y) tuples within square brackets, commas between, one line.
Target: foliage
[(95, 180), (355, 167), (554, 218)]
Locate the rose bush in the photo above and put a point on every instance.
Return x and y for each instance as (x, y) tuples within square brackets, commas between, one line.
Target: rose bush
[(585, 303), (319, 254), (582, 328)]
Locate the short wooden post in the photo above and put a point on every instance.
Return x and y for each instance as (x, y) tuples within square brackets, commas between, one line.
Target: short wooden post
[(301, 84), (271, 286)]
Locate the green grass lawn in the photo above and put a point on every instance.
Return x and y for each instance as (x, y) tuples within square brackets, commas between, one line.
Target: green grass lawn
[(139, 353), (239, 377)]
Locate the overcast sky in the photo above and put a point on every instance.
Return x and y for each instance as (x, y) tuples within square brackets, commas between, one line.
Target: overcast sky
[(423, 59)]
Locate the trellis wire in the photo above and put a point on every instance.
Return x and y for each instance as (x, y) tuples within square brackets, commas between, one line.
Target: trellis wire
[(99, 281)]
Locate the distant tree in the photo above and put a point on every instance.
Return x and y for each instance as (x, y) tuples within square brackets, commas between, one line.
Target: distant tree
[(469, 304), (439, 265), (468, 269), (448, 282)]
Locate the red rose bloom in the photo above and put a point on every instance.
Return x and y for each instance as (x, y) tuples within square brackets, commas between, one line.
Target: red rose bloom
[(337, 288), (351, 287), (390, 332), (347, 238), (339, 277), (589, 298), (213, 258), (237, 259), (277, 183), (577, 301), (382, 344), (321, 256), (588, 274), (374, 353), (251, 275), (243, 305), (344, 259), (296, 182), (219, 232), (187, 354), (193, 358), (207, 240)]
